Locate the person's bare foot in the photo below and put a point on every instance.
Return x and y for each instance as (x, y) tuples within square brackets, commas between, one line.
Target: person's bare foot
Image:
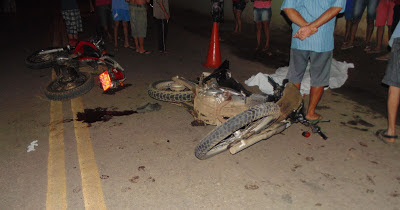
[(383, 57), (374, 51), (313, 117)]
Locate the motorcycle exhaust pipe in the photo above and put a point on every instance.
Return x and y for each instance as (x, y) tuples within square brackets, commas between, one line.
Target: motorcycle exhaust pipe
[(244, 143)]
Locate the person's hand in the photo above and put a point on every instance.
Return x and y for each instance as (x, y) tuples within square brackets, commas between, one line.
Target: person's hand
[(305, 31)]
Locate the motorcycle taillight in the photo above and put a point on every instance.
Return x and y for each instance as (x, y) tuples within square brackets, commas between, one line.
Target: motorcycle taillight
[(118, 75), (105, 80)]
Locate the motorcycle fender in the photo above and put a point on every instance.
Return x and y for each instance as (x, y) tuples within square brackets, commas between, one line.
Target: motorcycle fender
[(291, 100)]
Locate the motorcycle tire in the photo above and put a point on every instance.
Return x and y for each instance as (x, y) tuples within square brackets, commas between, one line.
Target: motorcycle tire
[(161, 91), (43, 58), (58, 90), (214, 143)]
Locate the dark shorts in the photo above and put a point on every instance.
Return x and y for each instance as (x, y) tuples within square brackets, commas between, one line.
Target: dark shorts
[(138, 20), (73, 21), (104, 14), (392, 75), (320, 66), (239, 5)]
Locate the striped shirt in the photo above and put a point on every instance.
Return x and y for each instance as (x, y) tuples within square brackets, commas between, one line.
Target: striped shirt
[(310, 10)]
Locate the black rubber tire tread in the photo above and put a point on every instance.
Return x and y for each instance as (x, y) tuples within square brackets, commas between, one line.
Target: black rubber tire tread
[(233, 124), (169, 96), (41, 65), (73, 93)]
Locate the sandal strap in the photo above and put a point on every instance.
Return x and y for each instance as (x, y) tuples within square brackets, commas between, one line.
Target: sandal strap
[(389, 137)]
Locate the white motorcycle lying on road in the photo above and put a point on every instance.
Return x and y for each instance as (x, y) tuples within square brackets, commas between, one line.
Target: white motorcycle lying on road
[(242, 118)]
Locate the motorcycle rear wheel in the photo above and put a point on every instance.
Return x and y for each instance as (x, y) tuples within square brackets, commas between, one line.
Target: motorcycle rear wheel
[(161, 90), (218, 139), (43, 58), (61, 89)]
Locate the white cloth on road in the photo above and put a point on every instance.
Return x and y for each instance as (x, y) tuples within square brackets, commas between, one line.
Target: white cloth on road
[(337, 79)]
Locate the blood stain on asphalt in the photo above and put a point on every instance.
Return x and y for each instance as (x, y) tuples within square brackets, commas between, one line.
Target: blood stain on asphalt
[(101, 114)]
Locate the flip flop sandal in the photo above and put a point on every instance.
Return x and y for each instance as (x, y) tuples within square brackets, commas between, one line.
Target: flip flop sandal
[(145, 52), (381, 134), (346, 47), (130, 48), (316, 121)]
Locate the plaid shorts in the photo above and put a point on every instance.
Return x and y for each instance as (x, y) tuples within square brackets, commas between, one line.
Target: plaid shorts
[(73, 21)]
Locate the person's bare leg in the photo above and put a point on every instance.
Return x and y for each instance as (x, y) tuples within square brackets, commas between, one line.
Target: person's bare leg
[(258, 34), (353, 32), (379, 36), (116, 26), (315, 97), (239, 20), (235, 19), (136, 40), (369, 31), (125, 28), (107, 32), (141, 45), (266, 32), (347, 33), (392, 106)]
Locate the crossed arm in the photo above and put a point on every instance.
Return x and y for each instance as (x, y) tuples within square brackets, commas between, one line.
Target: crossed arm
[(308, 29)]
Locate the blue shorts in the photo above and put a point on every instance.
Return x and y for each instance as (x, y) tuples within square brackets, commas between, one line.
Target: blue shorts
[(320, 66), (360, 5), (392, 75), (121, 15), (348, 12), (262, 14)]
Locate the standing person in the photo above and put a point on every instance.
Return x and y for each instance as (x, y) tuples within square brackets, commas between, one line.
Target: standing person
[(72, 18), (348, 15), (103, 9), (161, 14), (313, 27), (120, 12), (396, 17), (138, 13), (238, 7), (384, 16), (262, 16), (392, 78), (359, 7)]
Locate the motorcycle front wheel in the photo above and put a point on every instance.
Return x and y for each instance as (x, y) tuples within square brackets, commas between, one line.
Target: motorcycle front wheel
[(169, 91), (219, 139), (65, 88), (43, 58)]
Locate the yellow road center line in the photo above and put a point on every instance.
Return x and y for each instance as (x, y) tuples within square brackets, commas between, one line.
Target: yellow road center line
[(56, 178), (91, 186)]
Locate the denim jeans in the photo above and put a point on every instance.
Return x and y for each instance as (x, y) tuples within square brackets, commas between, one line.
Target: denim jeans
[(360, 5)]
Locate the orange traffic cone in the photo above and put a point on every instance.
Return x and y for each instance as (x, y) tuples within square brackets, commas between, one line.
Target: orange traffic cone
[(214, 54)]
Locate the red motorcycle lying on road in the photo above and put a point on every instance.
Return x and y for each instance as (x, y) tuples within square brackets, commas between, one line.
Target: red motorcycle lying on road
[(74, 67)]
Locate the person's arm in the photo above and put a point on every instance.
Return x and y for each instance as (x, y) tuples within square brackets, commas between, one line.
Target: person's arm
[(311, 28), (295, 17), (166, 15)]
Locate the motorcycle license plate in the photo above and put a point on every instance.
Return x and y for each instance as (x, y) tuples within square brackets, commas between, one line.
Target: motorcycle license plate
[(105, 80)]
